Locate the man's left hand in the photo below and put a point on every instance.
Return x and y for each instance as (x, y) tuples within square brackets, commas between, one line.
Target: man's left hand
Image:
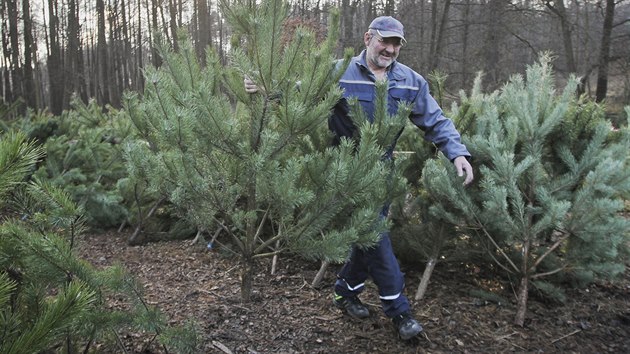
[(463, 166)]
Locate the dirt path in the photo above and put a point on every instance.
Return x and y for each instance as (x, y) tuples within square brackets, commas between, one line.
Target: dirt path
[(288, 316)]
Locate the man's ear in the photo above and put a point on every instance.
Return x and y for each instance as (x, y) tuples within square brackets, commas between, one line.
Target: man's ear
[(366, 38)]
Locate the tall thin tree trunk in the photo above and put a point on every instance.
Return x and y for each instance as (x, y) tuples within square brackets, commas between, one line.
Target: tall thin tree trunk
[(465, 37), (102, 94), (493, 38), (139, 60), (115, 85), (55, 75), (173, 24), (604, 52), (560, 11), (14, 41), (156, 60), (30, 95), (126, 47), (441, 28), (203, 30), (75, 82)]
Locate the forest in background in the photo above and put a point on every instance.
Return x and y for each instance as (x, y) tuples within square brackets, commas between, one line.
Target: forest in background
[(54, 50)]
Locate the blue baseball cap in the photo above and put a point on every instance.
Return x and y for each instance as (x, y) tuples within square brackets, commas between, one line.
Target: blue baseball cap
[(387, 26)]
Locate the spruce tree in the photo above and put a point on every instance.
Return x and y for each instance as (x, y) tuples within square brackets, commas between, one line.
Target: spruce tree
[(554, 177), (259, 165)]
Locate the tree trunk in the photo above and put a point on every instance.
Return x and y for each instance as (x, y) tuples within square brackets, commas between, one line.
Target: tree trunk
[(102, 84), (74, 83), (521, 305), (14, 40), (560, 11), (55, 75), (155, 57), (203, 30), (426, 275), (493, 38), (320, 274), (139, 78), (173, 24), (115, 60), (439, 35), (247, 279), (523, 288), (466, 75), (30, 95), (126, 47), (604, 52)]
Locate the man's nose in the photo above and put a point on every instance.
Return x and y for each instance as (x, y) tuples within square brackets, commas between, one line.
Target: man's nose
[(390, 47)]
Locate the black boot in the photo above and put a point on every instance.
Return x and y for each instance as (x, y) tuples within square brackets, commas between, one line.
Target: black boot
[(406, 326), (352, 305)]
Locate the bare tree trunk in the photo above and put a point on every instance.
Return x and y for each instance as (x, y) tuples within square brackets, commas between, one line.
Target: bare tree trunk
[(6, 55), (274, 260), (30, 95), (14, 41), (426, 276), (320, 274), (55, 75), (347, 14), (173, 24), (203, 30), (74, 83), (114, 65), (465, 37), (139, 62), (439, 35), (126, 46), (492, 42), (247, 279), (558, 8), (604, 52), (521, 306), (523, 288), (102, 84), (155, 57)]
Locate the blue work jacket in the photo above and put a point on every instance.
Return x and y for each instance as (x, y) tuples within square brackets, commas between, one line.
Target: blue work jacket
[(405, 85)]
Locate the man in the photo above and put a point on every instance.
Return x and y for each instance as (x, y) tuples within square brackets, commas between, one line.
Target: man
[(383, 40)]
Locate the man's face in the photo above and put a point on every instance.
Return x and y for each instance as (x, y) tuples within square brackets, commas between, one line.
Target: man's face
[(381, 52)]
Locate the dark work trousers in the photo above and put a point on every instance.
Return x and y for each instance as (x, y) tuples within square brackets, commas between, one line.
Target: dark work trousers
[(380, 264)]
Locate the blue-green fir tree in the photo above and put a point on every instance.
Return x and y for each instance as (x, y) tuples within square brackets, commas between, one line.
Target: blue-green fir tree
[(553, 177), (259, 166)]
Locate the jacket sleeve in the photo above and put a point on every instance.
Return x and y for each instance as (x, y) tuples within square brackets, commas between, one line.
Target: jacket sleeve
[(428, 116)]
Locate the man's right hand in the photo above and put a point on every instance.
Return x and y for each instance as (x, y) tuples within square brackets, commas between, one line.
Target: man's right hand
[(250, 86)]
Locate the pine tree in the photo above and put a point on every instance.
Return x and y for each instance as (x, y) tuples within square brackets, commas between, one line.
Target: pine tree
[(547, 205), (259, 165), (50, 298)]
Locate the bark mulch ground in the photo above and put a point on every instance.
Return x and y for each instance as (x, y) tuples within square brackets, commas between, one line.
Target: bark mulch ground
[(287, 315)]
